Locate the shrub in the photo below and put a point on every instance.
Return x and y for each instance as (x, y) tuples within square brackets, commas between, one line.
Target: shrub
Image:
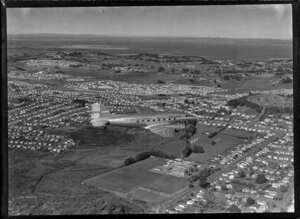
[(193, 178), (160, 69), (261, 179), (242, 174), (129, 160), (162, 154), (191, 185), (203, 183), (234, 209), (250, 201), (283, 189), (160, 82), (198, 149), (187, 151), (142, 156)]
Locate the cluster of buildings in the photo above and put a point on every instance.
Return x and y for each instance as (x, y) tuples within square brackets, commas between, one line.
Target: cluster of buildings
[(285, 92), (126, 69), (149, 89), (269, 66), (37, 76), (175, 167), (52, 62), (190, 202), (238, 182), (28, 126), (30, 138)]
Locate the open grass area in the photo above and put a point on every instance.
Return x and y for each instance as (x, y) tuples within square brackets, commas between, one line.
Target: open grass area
[(137, 182), (223, 142), (174, 147), (112, 159), (167, 184), (236, 133), (123, 180), (147, 196), (271, 100), (255, 83), (91, 136), (149, 163)]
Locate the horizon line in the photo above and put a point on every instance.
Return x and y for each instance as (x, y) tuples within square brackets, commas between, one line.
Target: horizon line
[(144, 36)]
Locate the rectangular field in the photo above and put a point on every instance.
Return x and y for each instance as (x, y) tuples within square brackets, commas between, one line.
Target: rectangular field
[(174, 147), (167, 184), (138, 182), (223, 142), (147, 196), (123, 180)]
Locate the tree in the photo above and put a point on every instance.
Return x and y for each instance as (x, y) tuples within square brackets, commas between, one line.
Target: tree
[(261, 179), (203, 182), (191, 128), (187, 151), (80, 101), (193, 178), (160, 82), (197, 71), (191, 185), (198, 149), (283, 189), (223, 187), (129, 161), (161, 69), (242, 174), (204, 173), (286, 80), (226, 77), (142, 156), (234, 209), (24, 99), (250, 201), (191, 80), (185, 70)]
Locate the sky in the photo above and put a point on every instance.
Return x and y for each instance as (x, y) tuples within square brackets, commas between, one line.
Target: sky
[(232, 21)]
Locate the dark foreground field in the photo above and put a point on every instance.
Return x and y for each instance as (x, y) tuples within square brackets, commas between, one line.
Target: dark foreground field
[(43, 183)]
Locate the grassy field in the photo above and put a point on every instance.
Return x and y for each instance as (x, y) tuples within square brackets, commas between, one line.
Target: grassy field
[(137, 182), (147, 196), (96, 137), (123, 180), (150, 163), (167, 184), (174, 147), (271, 100), (255, 83), (204, 128), (224, 142), (112, 159)]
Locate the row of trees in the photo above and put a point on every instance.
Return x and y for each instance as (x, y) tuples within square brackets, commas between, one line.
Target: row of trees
[(146, 154)]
